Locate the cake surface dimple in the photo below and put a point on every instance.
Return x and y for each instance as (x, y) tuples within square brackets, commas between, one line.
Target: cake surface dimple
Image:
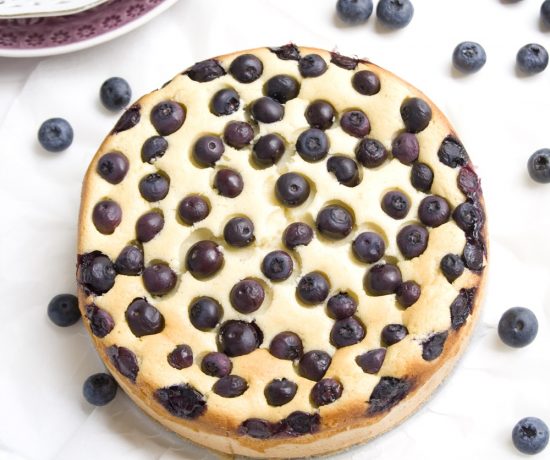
[(281, 252)]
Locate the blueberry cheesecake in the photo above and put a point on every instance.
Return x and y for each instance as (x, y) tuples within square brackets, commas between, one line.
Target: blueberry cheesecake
[(281, 252)]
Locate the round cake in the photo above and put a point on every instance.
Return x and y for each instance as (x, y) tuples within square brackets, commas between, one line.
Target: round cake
[(281, 251)]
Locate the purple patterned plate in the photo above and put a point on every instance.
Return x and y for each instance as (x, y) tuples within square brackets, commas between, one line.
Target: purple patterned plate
[(63, 34)]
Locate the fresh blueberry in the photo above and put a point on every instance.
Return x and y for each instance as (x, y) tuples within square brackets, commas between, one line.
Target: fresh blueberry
[(292, 189), (280, 391), (159, 279), (314, 364), (405, 148), (143, 318), (312, 145), (366, 82), (208, 150), (238, 134), (55, 135), (181, 357), (167, 117), (282, 88), (239, 232), (355, 123), (382, 279), (416, 114), (247, 296), (204, 259), (334, 222), (341, 306), (153, 148), (313, 288), (422, 177), (395, 14), (371, 153), (130, 261), (267, 110), (396, 204), (286, 345), (371, 361), (518, 327), (408, 294), (113, 167), (347, 332), (63, 310), (532, 59), (100, 389), (115, 93), (237, 338), (368, 247), (434, 211), (326, 391), (412, 240), (545, 12), (354, 11), (205, 313), (539, 165), (225, 102), (393, 333), (297, 234), (268, 150), (154, 187), (320, 114), (149, 225), (469, 57), (193, 209), (106, 216), (452, 267), (312, 65), (216, 364), (246, 68), (530, 435), (230, 386), (345, 170), (228, 182), (277, 266)]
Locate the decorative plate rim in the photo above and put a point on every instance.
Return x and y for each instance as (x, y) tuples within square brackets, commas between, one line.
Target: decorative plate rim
[(54, 12)]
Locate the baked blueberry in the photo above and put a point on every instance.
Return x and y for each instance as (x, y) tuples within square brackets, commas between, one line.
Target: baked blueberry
[(433, 346), (301, 423), (341, 306), (452, 153), (113, 167), (96, 272), (277, 266), (368, 247), (153, 148), (216, 364), (279, 392), (239, 232), (154, 187), (468, 182), (452, 267), (193, 209), (412, 240), (468, 216), (396, 204), (405, 148), (469, 57), (320, 114), (204, 71), (63, 310), (343, 61), (181, 400), (208, 150), (55, 135), (532, 59), (545, 12), (371, 361), (371, 153), (225, 102), (292, 189), (345, 170), (530, 435), (355, 123), (115, 93), (354, 11), (473, 255), (286, 345), (247, 296), (229, 183), (314, 365), (99, 389), (143, 318), (268, 150), (313, 288), (539, 165), (297, 234), (101, 321), (382, 279), (258, 428), (393, 333), (246, 68), (325, 392), (230, 386), (518, 327), (130, 261), (204, 259), (181, 357), (238, 134), (366, 82), (128, 119), (408, 293), (434, 211), (124, 360), (282, 88), (159, 279), (288, 52), (237, 338), (106, 216), (167, 117), (347, 332), (334, 222), (416, 113), (422, 177), (395, 14), (205, 313), (267, 110), (312, 65)]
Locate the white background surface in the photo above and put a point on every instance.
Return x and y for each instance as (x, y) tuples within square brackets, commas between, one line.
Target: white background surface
[(501, 117)]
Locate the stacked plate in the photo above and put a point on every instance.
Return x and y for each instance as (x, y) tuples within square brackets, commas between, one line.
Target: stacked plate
[(46, 27)]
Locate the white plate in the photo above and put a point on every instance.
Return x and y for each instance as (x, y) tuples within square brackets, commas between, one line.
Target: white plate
[(10, 9)]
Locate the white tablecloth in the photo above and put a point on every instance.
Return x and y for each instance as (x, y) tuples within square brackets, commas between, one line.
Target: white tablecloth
[(501, 117)]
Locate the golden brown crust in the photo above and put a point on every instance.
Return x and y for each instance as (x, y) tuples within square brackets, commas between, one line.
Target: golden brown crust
[(342, 425)]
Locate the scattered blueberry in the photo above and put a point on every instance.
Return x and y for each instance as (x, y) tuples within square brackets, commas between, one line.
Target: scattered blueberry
[(545, 12), (205, 313), (115, 93), (354, 11), (518, 327), (314, 364), (539, 165), (63, 310), (532, 59), (286, 345), (297, 234), (530, 435), (334, 222), (368, 247), (395, 14), (469, 57), (55, 135), (100, 389), (239, 232)]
